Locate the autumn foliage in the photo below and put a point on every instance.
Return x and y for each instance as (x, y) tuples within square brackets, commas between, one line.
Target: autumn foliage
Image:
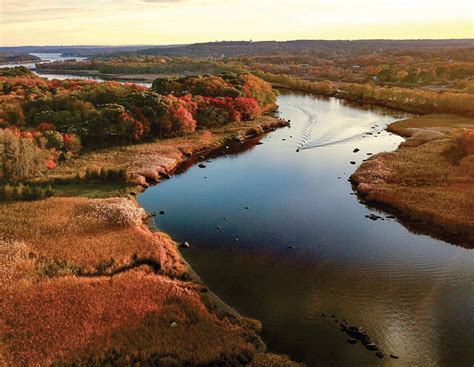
[(55, 118)]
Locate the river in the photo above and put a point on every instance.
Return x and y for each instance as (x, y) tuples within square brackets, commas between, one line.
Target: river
[(305, 247), (277, 232)]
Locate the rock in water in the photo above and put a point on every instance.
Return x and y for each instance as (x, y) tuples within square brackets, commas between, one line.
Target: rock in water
[(201, 165), (184, 245), (372, 346)]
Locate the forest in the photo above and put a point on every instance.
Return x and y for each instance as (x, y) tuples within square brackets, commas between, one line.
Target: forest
[(43, 122)]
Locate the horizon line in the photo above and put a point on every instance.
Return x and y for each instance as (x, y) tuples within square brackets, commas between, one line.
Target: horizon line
[(249, 41)]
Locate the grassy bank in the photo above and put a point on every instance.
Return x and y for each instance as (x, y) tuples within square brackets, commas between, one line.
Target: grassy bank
[(429, 179), (84, 281)]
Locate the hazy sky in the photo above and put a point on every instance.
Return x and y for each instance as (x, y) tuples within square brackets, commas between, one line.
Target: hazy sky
[(55, 22)]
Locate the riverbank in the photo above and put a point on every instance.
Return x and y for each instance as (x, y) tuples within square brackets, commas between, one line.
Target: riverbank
[(85, 280), (428, 181)]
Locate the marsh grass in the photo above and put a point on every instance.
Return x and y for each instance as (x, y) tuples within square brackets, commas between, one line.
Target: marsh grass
[(71, 293), (430, 177)]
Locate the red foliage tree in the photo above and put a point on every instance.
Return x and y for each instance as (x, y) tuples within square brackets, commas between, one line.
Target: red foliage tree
[(45, 126)]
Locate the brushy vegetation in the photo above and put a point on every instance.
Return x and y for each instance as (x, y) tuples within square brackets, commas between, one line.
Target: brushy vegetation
[(430, 177), (408, 99), (45, 122)]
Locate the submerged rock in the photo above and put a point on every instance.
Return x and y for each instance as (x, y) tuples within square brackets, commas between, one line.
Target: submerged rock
[(352, 341), (380, 354), (394, 356), (173, 324), (200, 165), (372, 346), (374, 217)]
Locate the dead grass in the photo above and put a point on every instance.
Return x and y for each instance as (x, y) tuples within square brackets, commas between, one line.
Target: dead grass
[(429, 177), (50, 315), (88, 233), (430, 122), (71, 319), (147, 162)]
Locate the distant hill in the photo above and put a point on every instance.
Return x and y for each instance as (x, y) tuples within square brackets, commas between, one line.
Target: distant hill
[(16, 57), (246, 48), (85, 50)]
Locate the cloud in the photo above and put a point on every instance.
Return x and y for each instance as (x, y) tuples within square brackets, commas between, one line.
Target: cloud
[(166, 21)]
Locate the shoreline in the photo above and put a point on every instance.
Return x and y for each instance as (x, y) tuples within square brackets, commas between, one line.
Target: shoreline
[(384, 183), (156, 258), (414, 223)]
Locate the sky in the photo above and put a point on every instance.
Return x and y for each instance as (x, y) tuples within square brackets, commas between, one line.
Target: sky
[(120, 22)]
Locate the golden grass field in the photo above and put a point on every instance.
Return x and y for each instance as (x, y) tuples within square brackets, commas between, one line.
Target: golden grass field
[(430, 177), (85, 282)]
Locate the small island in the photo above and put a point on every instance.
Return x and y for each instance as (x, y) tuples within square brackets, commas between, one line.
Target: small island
[(11, 58)]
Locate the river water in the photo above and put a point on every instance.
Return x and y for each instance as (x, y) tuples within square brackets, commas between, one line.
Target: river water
[(305, 247), (277, 232)]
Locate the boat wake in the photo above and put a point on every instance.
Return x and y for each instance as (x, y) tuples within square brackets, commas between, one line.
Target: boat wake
[(334, 134), (307, 132), (319, 144)]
